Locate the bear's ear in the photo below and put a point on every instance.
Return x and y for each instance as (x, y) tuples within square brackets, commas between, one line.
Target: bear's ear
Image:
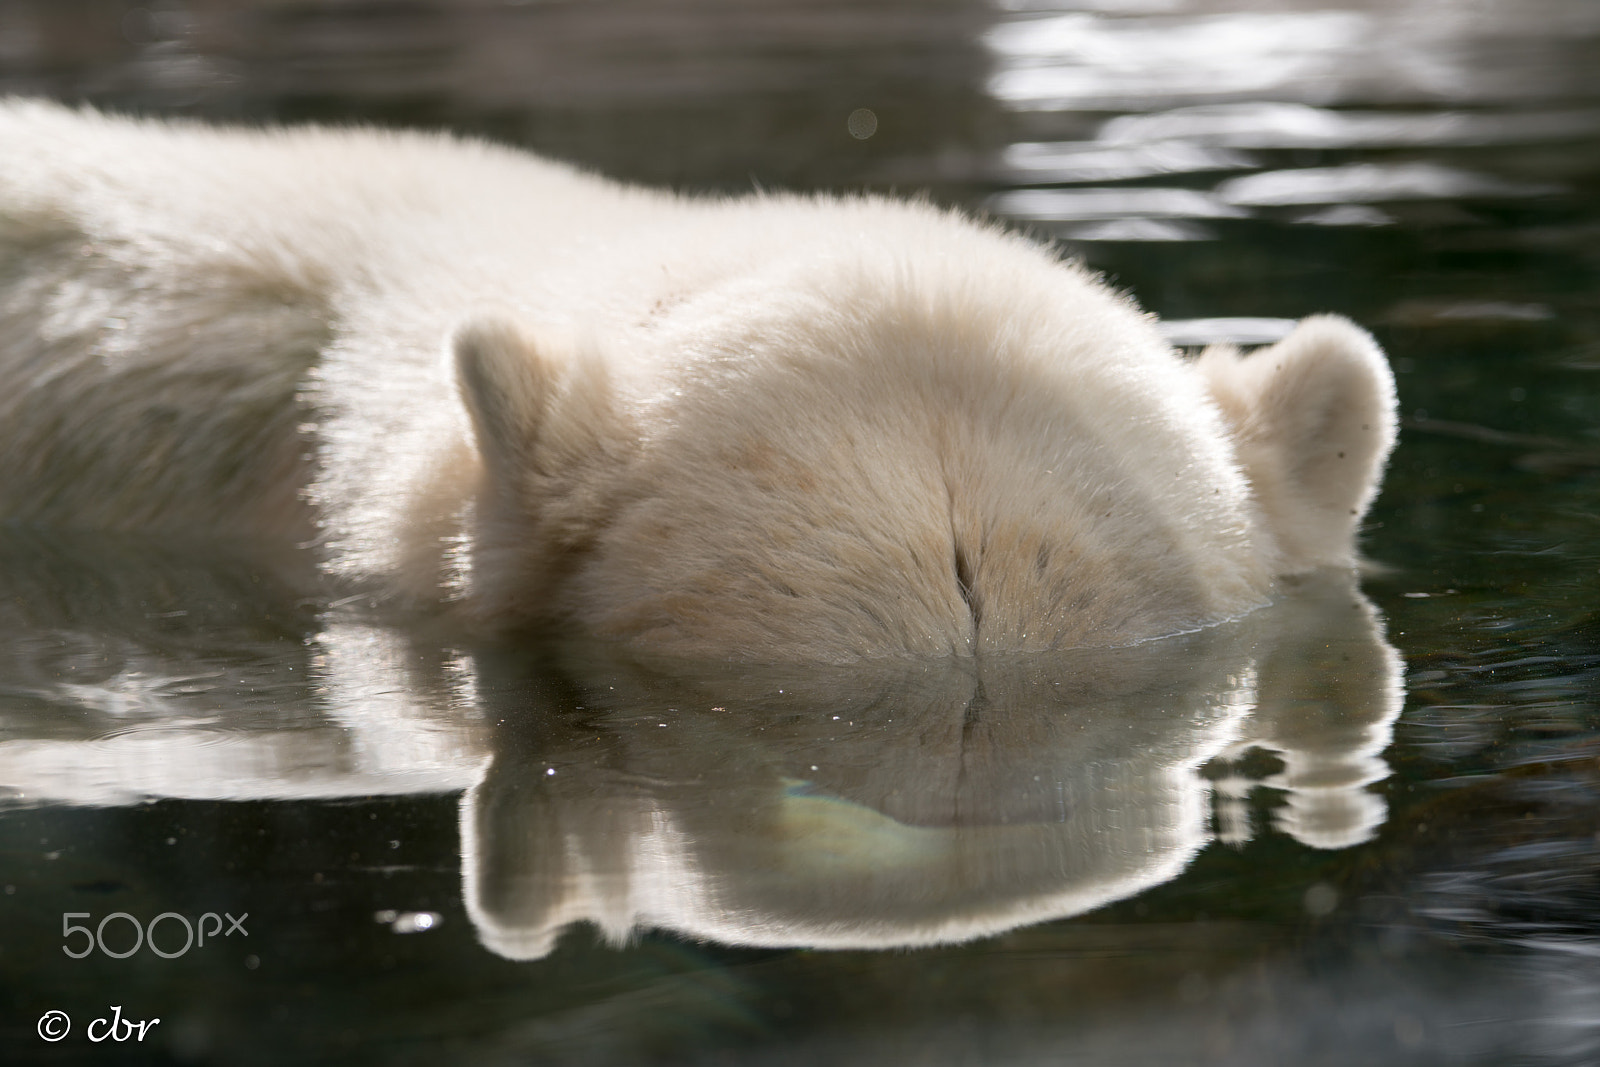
[(535, 406), (1313, 421), (507, 386)]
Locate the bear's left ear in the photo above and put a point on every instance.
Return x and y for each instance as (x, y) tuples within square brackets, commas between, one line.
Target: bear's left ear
[(536, 407), (506, 385), (1313, 422)]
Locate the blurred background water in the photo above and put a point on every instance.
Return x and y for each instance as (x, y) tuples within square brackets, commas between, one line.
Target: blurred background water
[(1332, 834)]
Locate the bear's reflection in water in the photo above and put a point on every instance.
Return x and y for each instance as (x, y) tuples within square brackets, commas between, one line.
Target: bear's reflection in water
[(903, 804), (891, 803)]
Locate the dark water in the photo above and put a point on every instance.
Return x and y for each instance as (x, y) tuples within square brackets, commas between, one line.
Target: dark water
[(1336, 832)]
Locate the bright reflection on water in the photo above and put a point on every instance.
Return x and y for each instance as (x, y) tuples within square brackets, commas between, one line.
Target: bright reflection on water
[(1216, 91), (1126, 56), (1358, 826)]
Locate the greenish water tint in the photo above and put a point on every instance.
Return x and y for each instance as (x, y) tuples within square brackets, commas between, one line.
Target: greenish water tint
[(1328, 834)]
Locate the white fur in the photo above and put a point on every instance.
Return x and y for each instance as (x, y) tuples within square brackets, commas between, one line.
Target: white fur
[(775, 427)]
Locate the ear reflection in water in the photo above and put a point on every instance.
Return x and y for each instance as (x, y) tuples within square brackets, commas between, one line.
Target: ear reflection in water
[(911, 804)]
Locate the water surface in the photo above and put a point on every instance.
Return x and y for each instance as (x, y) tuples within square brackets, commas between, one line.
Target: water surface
[(1360, 826)]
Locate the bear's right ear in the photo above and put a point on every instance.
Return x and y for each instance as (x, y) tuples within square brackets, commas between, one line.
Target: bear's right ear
[(1313, 421)]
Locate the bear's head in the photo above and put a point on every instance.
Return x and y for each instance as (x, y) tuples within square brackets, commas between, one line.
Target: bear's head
[(975, 457)]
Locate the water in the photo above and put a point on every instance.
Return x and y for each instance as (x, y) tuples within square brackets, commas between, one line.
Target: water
[(1337, 832)]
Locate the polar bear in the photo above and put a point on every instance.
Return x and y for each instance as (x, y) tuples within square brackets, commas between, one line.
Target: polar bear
[(778, 427)]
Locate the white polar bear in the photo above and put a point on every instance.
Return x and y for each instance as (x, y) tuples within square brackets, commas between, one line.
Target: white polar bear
[(777, 427)]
